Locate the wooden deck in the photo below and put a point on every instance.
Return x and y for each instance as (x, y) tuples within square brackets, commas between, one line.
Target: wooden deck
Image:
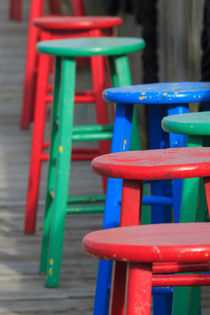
[(22, 289)]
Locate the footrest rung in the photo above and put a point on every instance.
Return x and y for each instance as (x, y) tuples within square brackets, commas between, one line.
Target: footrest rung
[(85, 209), (86, 199), (92, 137), (92, 128), (157, 200)]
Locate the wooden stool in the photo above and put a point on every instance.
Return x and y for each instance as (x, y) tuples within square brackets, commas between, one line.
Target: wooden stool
[(140, 254), (161, 98), (63, 132), (57, 27), (37, 10), (134, 168)]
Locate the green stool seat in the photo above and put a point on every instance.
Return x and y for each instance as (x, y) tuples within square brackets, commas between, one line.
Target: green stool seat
[(63, 132), (86, 47), (188, 124)]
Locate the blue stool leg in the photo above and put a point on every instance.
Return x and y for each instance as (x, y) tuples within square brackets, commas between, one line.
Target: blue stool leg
[(159, 139), (120, 142)]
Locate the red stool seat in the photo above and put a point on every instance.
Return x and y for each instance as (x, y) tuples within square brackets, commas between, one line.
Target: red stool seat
[(155, 164), (136, 248), (77, 23), (183, 242)]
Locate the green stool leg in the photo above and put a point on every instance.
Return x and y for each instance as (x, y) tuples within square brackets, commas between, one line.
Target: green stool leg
[(52, 168), (186, 300), (62, 172)]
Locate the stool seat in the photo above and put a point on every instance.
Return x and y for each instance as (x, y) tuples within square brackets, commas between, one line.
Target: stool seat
[(91, 46), (155, 164), (183, 242), (77, 23), (197, 124), (160, 93)]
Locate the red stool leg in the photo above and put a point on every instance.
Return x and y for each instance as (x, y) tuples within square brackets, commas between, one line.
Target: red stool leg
[(36, 10), (132, 193), (11, 9), (117, 296), (37, 141), (78, 7), (18, 10), (54, 6), (139, 289), (131, 199)]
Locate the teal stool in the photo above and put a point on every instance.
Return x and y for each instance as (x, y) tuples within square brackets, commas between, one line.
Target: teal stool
[(196, 126), (58, 204)]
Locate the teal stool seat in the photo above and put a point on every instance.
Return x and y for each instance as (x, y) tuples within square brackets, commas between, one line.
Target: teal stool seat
[(85, 47), (58, 203), (196, 126), (191, 124)]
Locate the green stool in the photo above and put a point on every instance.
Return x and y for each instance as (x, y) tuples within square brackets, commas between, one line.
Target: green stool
[(58, 203), (196, 126)]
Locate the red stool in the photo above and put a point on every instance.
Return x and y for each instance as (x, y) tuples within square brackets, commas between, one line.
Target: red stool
[(141, 252), (37, 10), (15, 8), (65, 27)]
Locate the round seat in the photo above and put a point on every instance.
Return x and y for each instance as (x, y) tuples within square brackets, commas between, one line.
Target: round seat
[(160, 93), (182, 242), (197, 124), (77, 23), (155, 164), (85, 47)]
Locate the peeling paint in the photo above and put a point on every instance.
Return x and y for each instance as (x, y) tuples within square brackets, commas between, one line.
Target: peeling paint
[(124, 144), (61, 149), (142, 97)]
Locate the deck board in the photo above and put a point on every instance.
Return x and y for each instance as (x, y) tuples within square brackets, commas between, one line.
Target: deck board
[(22, 289)]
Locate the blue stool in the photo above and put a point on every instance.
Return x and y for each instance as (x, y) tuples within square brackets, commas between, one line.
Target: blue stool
[(162, 99)]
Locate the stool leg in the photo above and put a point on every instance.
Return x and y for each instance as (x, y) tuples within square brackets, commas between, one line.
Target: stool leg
[(51, 168), (132, 193), (11, 8), (62, 172), (187, 299), (37, 141), (36, 10), (78, 7), (159, 214), (139, 288), (177, 140), (18, 10), (98, 78), (54, 7), (117, 296), (120, 142)]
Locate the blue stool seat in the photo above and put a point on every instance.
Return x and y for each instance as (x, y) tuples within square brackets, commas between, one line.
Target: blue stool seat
[(160, 93)]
